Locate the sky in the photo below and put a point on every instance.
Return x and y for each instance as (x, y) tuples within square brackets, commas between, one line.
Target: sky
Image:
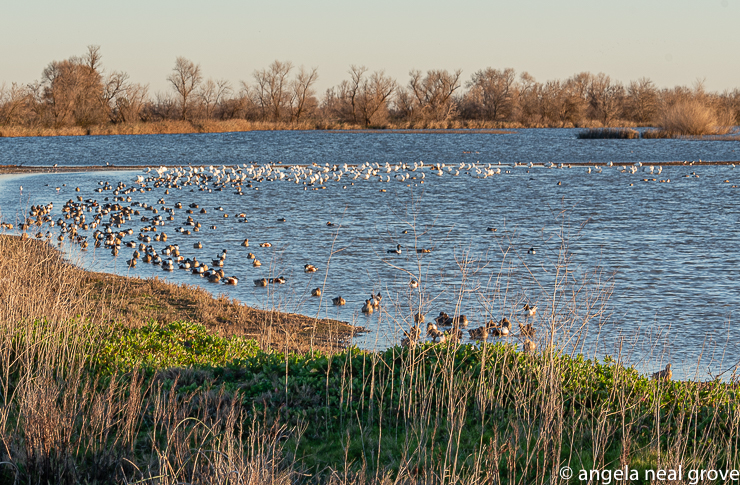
[(672, 42)]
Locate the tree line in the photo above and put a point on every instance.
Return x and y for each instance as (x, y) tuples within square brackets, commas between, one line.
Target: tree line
[(80, 92)]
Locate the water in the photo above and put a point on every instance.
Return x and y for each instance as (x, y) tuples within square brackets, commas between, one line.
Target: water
[(669, 249)]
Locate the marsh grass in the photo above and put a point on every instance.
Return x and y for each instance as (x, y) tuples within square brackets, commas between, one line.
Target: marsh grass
[(237, 125), (90, 401), (608, 133)]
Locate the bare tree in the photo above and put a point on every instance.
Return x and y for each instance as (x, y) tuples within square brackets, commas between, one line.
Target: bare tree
[(185, 79), (433, 93), (493, 92), (362, 99), (16, 104), (642, 100), (605, 98), (272, 89), (129, 103), (302, 97), (212, 93)]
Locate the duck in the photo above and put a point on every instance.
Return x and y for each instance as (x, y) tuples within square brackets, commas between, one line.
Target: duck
[(260, 282), (499, 329), (376, 299), (231, 280), (131, 263), (480, 333), (256, 263), (214, 278), (250, 256), (316, 292), (435, 333), (527, 330), (414, 333), (395, 251), (265, 245), (282, 219), (245, 243), (279, 280), (531, 250), (665, 374), (529, 346), (459, 321), (443, 319), (423, 250), (309, 268), (367, 307), (419, 318), (198, 245), (338, 301), (530, 311), (414, 284)]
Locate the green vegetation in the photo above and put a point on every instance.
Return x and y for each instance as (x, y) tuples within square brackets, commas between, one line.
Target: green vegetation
[(470, 412)]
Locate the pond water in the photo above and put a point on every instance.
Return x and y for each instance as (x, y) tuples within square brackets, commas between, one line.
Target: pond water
[(645, 269)]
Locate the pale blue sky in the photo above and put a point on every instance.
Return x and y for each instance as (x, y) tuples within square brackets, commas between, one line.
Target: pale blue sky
[(673, 42)]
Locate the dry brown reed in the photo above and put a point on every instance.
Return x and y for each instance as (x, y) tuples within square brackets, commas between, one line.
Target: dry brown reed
[(692, 117)]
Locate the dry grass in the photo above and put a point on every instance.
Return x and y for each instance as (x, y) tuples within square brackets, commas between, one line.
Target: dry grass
[(691, 118), (38, 283), (229, 126)]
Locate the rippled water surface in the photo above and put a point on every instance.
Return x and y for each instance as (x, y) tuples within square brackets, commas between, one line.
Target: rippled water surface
[(666, 252)]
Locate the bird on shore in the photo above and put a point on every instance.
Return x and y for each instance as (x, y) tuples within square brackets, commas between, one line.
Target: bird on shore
[(665, 374), (529, 346)]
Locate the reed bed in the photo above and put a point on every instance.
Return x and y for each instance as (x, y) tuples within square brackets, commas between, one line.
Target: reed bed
[(238, 125), (609, 133), (90, 400)]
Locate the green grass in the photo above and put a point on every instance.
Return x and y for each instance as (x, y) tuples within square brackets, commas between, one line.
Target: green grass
[(402, 410)]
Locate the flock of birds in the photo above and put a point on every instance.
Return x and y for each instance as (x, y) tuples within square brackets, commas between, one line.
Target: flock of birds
[(109, 223), (492, 328)]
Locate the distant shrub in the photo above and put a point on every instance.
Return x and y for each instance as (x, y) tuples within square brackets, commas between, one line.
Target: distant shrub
[(691, 118), (599, 133)]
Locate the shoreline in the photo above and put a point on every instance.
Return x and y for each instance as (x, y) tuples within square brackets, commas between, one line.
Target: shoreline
[(133, 302)]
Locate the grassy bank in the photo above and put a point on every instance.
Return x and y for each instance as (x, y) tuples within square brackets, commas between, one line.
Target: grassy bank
[(228, 126), (102, 382)]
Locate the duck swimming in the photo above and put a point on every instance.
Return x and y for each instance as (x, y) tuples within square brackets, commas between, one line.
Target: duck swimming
[(260, 282), (395, 251), (338, 301), (480, 333), (529, 311), (316, 292)]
